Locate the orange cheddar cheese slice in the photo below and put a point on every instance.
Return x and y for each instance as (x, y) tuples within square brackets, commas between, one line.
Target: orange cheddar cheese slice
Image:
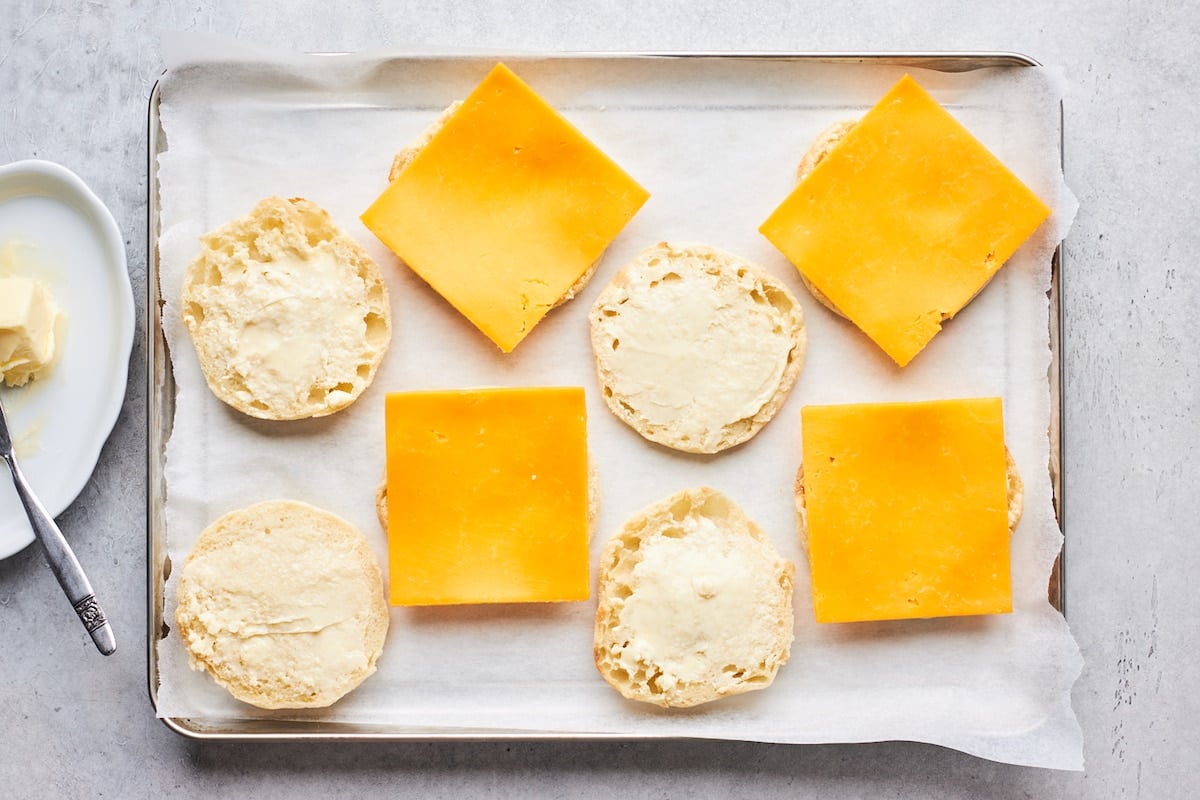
[(505, 208), (904, 221), (906, 509), (487, 496)]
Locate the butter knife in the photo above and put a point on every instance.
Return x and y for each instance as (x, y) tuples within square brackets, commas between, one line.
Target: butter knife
[(58, 552)]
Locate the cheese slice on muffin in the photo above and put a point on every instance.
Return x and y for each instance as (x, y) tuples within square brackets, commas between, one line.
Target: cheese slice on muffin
[(901, 219), (906, 510), (503, 207)]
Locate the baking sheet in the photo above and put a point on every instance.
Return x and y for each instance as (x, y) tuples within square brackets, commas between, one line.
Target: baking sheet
[(715, 140)]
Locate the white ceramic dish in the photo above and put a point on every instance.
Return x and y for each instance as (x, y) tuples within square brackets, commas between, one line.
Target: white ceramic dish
[(67, 239)]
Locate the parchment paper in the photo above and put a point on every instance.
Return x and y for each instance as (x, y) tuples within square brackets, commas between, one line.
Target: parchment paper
[(716, 142)]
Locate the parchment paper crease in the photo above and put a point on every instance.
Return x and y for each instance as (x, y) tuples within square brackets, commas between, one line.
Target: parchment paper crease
[(716, 142)]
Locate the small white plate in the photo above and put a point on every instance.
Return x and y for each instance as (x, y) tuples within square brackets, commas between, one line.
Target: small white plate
[(66, 239)]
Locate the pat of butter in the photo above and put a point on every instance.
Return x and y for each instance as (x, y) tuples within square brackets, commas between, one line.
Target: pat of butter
[(27, 320)]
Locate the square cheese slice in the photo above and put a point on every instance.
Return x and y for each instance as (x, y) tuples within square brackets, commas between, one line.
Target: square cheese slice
[(505, 208), (904, 221), (487, 496), (907, 509)]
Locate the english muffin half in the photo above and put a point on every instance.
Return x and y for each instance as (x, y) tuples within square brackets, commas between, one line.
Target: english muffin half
[(289, 316), (695, 348), (282, 603), (695, 603)]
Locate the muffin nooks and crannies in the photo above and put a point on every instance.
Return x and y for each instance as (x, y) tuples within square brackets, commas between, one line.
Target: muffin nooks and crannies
[(696, 349), (695, 603), (290, 317), (282, 603)]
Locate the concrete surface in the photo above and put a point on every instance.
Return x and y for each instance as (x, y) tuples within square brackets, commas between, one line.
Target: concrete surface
[(74, 82)]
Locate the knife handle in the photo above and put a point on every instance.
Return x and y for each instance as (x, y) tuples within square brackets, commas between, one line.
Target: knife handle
[(65, 565)]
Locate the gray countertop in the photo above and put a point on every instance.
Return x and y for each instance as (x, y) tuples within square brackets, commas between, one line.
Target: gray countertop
[(75, 79)]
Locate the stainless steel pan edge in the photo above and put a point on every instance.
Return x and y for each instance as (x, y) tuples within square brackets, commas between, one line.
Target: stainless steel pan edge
[(160, 399)]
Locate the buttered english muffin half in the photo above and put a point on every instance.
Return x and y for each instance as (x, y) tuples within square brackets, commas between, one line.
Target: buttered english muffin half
[(289, 316), (283, 604), (695, 603), (696, 349)]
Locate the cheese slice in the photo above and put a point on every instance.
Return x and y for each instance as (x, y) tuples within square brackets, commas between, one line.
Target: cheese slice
[(906, 509), (904, 221), (487, 496), (505, 208)]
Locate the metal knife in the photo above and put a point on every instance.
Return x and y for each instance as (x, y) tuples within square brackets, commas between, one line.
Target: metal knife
[(58, 552)]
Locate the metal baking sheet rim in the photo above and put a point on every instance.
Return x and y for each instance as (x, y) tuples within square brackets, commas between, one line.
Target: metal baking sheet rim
[(160, 400)]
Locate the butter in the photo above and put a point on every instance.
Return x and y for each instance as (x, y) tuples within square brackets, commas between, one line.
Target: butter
[(28, 317), (294, 624), (289, 319)]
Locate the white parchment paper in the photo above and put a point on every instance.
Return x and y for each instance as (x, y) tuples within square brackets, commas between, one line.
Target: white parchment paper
[(716, 142)]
